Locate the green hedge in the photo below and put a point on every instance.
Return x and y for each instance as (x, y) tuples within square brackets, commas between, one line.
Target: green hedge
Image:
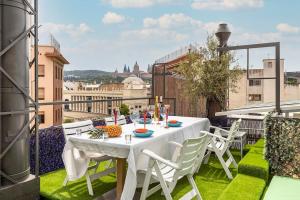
[(283, 146), (244, 187), (254, 164)]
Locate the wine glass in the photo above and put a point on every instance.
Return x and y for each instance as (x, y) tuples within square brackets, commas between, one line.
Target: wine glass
[(135, 116), (151, 109), (163, 114)]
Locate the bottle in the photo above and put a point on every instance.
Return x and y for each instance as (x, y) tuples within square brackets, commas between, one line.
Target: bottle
[(156, 109), (161, 107)]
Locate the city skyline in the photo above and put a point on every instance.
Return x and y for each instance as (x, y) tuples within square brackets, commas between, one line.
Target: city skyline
[(106, 34)]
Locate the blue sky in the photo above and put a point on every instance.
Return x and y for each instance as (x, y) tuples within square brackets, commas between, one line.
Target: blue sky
[(106, 34)]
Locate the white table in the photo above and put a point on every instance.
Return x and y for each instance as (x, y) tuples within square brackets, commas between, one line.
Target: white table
[(76, 165)]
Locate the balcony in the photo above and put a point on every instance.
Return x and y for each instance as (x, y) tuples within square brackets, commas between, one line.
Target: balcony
[(212, 181), (98, 153)]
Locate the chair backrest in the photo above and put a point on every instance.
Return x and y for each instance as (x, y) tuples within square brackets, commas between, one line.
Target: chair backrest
[(234, 130), (192, 152), (111, 121), (73, 128)]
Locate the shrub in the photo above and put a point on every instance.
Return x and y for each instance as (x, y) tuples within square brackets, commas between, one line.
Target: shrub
[(124, 110), (52, 143), (283, 146), (244, 187), (68, 120)]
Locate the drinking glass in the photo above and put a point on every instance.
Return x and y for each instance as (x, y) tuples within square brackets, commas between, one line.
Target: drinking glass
[(128, 137), (135, 116), (163, 114), (151, 109)]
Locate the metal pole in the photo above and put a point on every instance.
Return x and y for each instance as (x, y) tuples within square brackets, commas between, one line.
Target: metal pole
[(164, 89), (277, 88), (36, 89), (1, 11), (153, 73)]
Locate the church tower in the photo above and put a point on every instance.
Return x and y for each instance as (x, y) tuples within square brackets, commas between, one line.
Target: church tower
[(136, 69)]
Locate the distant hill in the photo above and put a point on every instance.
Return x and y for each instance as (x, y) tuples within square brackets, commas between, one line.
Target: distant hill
[(87, 74), (293, 74)]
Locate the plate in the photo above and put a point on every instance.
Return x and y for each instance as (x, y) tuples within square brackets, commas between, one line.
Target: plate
[(173, 121), (178, 124), (143, 135), (141, 130), (148, 121)]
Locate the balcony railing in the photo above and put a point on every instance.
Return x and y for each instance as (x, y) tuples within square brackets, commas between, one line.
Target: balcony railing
[(108, 104)]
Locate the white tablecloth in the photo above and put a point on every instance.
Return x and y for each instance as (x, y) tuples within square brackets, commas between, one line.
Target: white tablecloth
[(76, 163)]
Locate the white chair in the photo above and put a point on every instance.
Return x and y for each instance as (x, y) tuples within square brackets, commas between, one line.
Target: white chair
[(84, 127), (168, 172), (111, 121), (221, 145)]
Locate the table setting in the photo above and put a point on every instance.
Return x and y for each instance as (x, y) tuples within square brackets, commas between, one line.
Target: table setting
[(127, 141)]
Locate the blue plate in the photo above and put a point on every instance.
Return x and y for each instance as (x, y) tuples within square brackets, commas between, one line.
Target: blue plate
[(148, 121), (178, 124), (143, 135)]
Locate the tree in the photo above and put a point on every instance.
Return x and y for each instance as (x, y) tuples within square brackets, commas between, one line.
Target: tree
[(207, 74), (124, 110)]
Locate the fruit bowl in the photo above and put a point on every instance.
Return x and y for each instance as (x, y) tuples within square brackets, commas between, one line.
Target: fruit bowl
[(113, 130)]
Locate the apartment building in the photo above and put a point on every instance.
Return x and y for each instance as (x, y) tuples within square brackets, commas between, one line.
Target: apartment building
[(50, 77), (262, 91)]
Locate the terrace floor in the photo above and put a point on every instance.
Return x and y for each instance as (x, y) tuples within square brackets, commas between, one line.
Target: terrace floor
[(211, 181)]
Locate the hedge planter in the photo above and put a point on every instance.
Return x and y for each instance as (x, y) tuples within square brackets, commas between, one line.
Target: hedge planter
[(52, 143), (244, 187)]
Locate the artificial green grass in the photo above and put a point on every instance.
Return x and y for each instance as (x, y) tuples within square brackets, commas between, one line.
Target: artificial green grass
[(260, 143), (244, 187), (211, 181), (51, 186), (254, 164)]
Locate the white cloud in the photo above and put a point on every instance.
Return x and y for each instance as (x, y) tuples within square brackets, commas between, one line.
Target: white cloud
[(135, 3), (168, 21), (226, 4), (70, 29), (286, 28), (112, 18), (181, 22), (147, 34)]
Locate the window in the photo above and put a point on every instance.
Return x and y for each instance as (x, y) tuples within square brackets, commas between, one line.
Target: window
[(61, 74), (41, 70), (269, 64), (41, 117), (67, 106), (254, 82), (41, 93), (254, 97)]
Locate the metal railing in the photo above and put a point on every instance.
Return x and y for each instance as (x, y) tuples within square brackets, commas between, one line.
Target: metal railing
[(118, 102)]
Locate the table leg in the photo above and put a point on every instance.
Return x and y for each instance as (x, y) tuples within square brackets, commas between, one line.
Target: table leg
[(121, 173)]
